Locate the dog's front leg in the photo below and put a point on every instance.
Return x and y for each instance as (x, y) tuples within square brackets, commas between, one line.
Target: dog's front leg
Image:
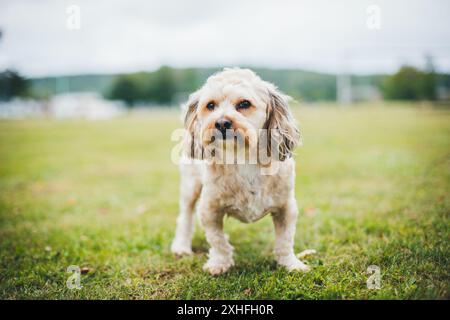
[(189, 193), (285, 223), (220, 257)]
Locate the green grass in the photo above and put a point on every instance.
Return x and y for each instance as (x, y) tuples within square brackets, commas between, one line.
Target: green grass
[(372, 188)]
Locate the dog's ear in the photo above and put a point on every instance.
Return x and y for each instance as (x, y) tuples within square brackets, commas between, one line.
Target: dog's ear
[(282, 133), (192, 144)]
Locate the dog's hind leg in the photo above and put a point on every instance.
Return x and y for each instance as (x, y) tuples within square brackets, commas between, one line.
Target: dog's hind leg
[(284, 222), (190, 188)]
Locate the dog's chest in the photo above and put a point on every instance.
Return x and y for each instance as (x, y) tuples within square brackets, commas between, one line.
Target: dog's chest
[(244, 193)]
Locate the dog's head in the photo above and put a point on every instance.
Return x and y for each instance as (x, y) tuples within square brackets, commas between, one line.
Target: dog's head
[(236, 106)]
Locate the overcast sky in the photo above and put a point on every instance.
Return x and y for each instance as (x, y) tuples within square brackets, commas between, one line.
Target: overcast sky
[(131, 35)]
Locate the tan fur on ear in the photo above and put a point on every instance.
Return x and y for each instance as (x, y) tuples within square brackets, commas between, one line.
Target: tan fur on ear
[(283, 134), (192, 146)]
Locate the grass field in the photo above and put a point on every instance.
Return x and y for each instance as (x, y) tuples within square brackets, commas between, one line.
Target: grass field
[(372, 188)]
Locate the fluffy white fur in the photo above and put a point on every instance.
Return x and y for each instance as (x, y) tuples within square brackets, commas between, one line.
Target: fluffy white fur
[(216, 189)]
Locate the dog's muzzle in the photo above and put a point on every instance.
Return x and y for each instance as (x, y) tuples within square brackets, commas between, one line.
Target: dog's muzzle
[(224, 129)]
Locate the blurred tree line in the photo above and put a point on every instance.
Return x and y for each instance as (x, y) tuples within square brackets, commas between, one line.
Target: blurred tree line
[(159, 87), (410, 83), (162, 86), (12, 84), (169, 86)]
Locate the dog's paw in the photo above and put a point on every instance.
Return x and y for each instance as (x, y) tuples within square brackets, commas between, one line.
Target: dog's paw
[(216, 268), (180, 249)]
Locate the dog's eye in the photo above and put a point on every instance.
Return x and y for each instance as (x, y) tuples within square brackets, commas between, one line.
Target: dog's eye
[(210, 106), (244, 104)]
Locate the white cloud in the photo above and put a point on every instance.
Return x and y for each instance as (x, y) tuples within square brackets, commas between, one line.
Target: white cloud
[(118, 36)]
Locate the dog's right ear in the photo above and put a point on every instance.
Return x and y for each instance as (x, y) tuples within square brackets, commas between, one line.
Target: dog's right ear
[(283, 134), (192, 143)]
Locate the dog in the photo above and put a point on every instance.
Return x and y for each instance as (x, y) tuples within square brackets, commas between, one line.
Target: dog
[(236, 110)]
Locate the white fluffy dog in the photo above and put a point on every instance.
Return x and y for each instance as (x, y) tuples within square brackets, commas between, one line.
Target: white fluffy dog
[(236, 111)]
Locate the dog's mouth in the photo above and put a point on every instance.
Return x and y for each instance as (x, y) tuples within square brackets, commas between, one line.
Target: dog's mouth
[(225, 137), (215, 135)]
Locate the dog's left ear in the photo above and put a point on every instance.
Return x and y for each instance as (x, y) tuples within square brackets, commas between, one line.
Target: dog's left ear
[(282, 135)]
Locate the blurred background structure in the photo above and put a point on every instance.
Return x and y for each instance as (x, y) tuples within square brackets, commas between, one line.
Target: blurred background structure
[(112, 55)]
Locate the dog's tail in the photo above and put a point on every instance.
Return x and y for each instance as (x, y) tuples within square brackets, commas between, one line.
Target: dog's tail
[(305, 253)]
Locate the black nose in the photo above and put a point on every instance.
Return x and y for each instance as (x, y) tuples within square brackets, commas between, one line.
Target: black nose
[(223, 124)]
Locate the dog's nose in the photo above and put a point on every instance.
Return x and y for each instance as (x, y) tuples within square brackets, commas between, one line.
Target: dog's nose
[(223, 124)]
